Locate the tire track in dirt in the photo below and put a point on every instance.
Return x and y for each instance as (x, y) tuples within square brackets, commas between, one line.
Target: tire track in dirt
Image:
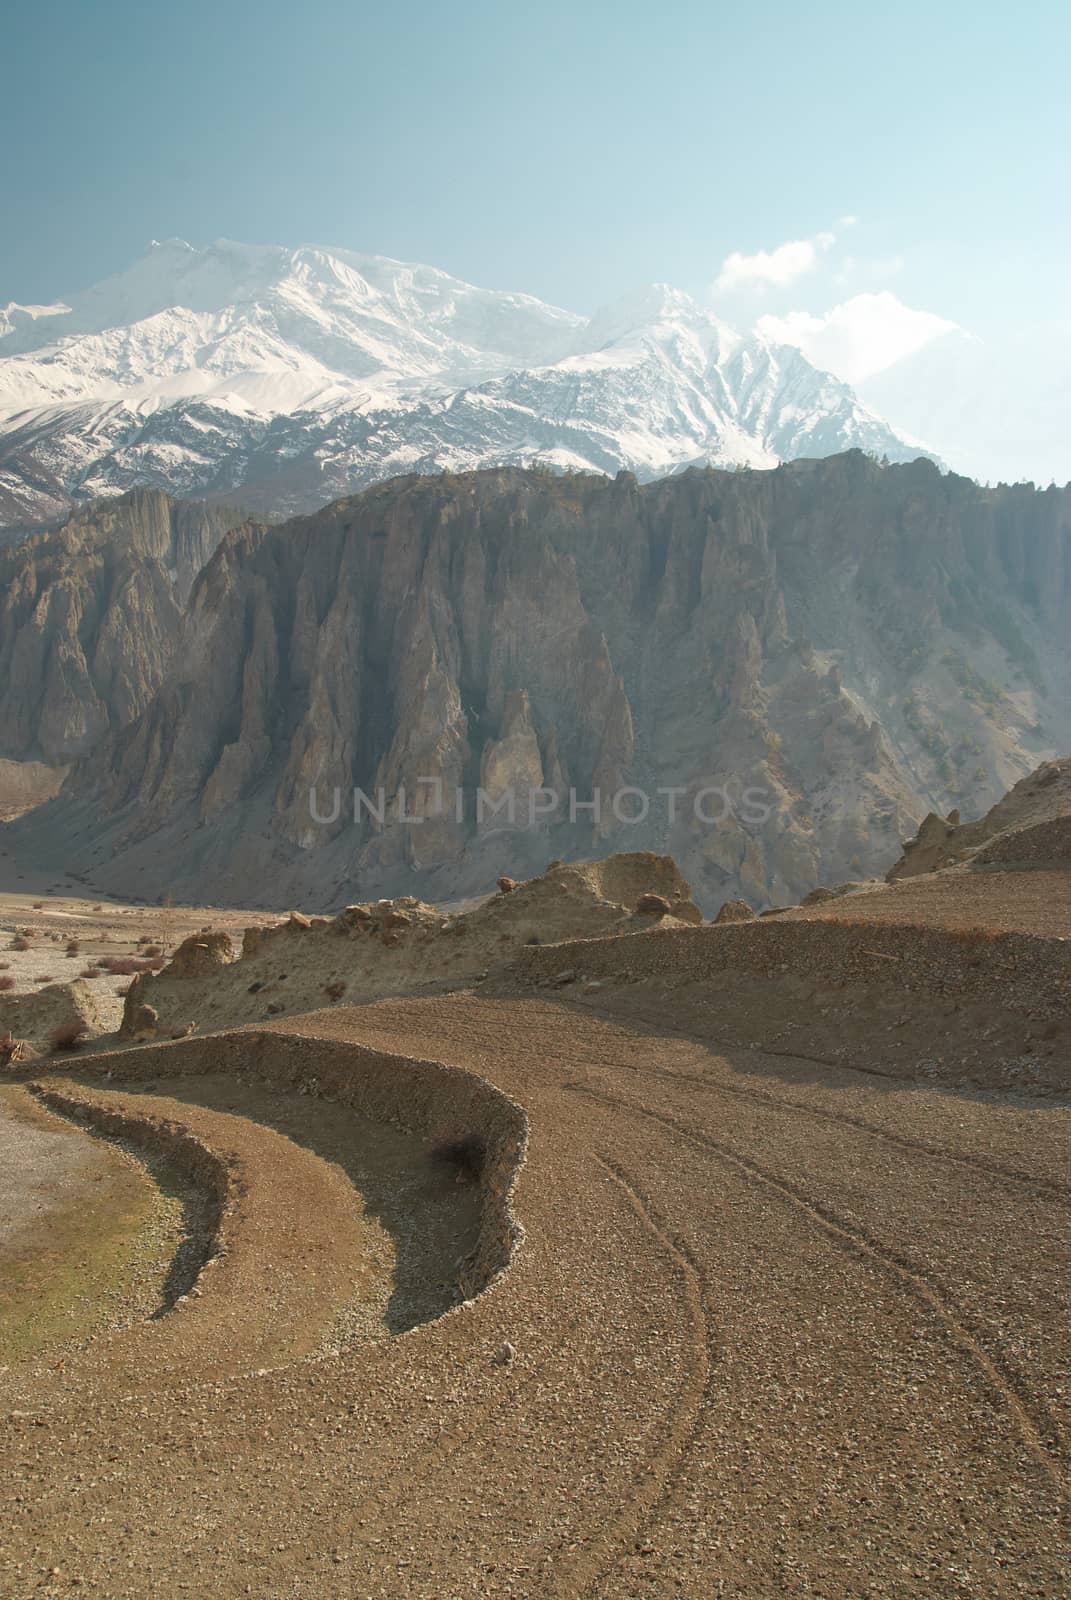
[(1038, 1428), (387, 1504), (578, 1573), (1049, 1187)]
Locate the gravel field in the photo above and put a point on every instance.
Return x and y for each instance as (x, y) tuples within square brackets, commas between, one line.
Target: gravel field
[(777, 1330)]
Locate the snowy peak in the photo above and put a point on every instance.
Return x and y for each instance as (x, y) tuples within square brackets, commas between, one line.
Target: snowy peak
[(658, 317), (295, 374), (313, 321)]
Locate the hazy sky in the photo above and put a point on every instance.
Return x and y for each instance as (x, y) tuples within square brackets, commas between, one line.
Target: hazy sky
[(575, 151)]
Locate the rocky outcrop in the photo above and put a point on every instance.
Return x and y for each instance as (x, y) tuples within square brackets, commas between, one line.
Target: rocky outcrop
[(772, 675), (401, 946), (1031, 824), (90, 615)]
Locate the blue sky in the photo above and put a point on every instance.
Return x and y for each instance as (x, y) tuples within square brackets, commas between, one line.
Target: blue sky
[(572, 151), (849, 177)]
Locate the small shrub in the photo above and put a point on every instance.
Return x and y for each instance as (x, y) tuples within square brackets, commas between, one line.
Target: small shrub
[(19, 942), (5, 966), (68, 1036), (6, 984), (464, 1153), (123, 966), (39, 905), (46, 977), (98, 907), (152, 952), (335, 990), (144, 939), (90, 972), (73, 949)]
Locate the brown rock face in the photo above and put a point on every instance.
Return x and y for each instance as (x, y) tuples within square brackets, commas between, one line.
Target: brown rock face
[(773, 676), (90, 615)]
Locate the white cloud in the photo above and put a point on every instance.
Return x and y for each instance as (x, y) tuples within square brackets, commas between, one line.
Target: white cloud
[(779, 267), (860, 336)]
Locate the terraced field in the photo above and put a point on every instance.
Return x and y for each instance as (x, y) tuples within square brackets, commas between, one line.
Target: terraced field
[(774, 1327)]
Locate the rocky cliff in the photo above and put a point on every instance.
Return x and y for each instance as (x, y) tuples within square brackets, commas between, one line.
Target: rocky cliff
[(89, 616), (771, 675)]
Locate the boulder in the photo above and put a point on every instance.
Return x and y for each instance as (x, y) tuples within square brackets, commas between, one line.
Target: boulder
[(653, 905)]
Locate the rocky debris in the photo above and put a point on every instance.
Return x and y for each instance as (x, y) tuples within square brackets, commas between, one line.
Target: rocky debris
[(735, 911), (506, 885), (382, 947)]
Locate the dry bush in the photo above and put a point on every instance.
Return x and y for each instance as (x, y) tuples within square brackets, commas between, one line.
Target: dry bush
[(90, 972), (5, 966), (98, 907), (335, 990), (39, 905), (19, 942), (68, 1036), (6, 984), (123, 966), (73, 949), (152, 952), (144, 938), (464, 1153), (46, 977)]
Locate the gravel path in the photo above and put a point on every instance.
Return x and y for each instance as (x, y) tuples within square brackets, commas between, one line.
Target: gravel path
[(778, 1331)]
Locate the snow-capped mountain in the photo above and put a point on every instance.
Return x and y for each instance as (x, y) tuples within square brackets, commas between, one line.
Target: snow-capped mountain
[(294, 376)]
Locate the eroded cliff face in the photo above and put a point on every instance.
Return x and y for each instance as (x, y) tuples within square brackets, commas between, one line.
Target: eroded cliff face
[(778, 673), (89, 617)]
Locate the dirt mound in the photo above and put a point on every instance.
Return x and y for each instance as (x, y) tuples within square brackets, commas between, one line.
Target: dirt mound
[(34, 1016), (1044, 796), (1043, 844), (379, 948), (735, 911), (201, 955)]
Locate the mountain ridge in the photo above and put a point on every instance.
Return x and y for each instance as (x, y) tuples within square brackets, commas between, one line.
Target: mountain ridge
[(826, 636), (285, 378)]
